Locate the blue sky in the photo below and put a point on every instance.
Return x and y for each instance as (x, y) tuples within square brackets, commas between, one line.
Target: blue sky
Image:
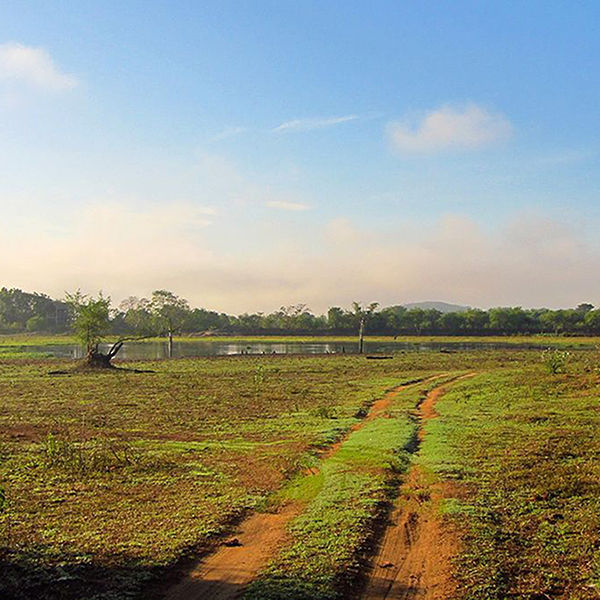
[(251, 154)]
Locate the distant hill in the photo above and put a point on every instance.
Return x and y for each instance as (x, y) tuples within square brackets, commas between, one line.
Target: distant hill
[(443, 307)]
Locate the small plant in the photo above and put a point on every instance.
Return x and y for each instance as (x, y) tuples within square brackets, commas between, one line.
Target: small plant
[(97, 455), (556, 361), (362, 412), (258, 379), (325, 412), (259, 376)]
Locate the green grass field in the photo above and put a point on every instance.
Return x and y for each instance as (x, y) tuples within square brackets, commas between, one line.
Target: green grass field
[(111, 479), (524, 444), (125, 473)]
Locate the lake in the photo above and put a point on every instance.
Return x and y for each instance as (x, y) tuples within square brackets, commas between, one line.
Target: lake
[(147, 350)]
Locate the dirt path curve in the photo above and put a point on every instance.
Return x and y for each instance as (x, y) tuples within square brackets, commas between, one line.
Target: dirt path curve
[(224, 574), (413, 559)]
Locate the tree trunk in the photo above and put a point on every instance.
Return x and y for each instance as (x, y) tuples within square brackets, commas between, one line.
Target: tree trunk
[(361, 336), (99, 360), (170, 344)]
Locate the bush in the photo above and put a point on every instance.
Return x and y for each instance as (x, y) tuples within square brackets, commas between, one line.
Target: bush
[(556, 361)]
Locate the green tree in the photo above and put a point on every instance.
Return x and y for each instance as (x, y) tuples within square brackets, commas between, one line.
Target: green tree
[(18, 308), (137, 315), (592, 320), (509, 320), (394, 318), (476, 319), (169, 313), (422, 320), (290, 317), (91, 323), (339, 319), (35, 323)]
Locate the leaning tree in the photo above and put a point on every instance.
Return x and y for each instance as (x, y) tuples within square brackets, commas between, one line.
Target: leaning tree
[(91, 323)]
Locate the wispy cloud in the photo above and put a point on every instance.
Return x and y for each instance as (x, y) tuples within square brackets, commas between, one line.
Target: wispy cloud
[(449, 128), (282, 205), (34, 67), (299, 125), (228, 132)]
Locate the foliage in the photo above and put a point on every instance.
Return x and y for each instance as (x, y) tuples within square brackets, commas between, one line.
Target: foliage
[(134, 315), (166, 312), (35, 312), (91, 320), (556, 360)]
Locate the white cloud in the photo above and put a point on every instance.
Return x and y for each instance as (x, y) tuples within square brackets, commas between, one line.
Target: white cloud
[(32, 66), (450, 128), (283, 205), (298, 125)]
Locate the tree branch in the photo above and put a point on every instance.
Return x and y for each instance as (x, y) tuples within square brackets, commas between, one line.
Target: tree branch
[(114, 349)]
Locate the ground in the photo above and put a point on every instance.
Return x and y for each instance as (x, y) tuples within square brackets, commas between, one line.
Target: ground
[(117, 484)]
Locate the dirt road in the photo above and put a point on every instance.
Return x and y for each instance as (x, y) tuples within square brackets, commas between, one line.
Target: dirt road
[(224, 574), (413, 560)]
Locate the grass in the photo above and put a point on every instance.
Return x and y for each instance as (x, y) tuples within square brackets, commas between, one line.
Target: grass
[(524, 446), (535, 339), (111, 477), (346, 497), (9, 352)]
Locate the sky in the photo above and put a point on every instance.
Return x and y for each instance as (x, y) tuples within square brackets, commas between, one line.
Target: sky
[(249, 154)]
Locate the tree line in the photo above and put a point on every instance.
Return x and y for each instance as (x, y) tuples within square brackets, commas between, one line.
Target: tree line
[(168, 313)]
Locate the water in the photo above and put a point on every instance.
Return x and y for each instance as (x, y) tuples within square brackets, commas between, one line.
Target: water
[(153, 350)]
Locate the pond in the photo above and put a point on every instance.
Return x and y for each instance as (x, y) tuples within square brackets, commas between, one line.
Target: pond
[(152, 350)]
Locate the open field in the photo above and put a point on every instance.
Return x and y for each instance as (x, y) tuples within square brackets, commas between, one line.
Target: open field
[(117, 484)]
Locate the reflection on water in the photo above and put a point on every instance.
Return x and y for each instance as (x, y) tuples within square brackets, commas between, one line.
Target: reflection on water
[(153, 350)]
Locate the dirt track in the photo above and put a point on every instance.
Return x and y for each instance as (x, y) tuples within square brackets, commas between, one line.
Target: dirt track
[(224, 574), (414, 556)]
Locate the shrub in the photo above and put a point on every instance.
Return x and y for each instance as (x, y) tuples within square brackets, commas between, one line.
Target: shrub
[(556, 361)]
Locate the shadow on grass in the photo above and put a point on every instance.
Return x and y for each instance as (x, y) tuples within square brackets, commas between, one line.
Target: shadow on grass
[(85, 370), (33, 574)]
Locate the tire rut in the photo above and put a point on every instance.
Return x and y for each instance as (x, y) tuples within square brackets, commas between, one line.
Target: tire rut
[(225, 573), (413, 560)]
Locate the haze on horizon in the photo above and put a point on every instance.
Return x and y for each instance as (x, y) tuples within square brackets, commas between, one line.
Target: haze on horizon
[(248, 155)]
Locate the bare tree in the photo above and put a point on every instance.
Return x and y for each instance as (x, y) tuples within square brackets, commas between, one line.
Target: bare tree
[(363, 313)]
